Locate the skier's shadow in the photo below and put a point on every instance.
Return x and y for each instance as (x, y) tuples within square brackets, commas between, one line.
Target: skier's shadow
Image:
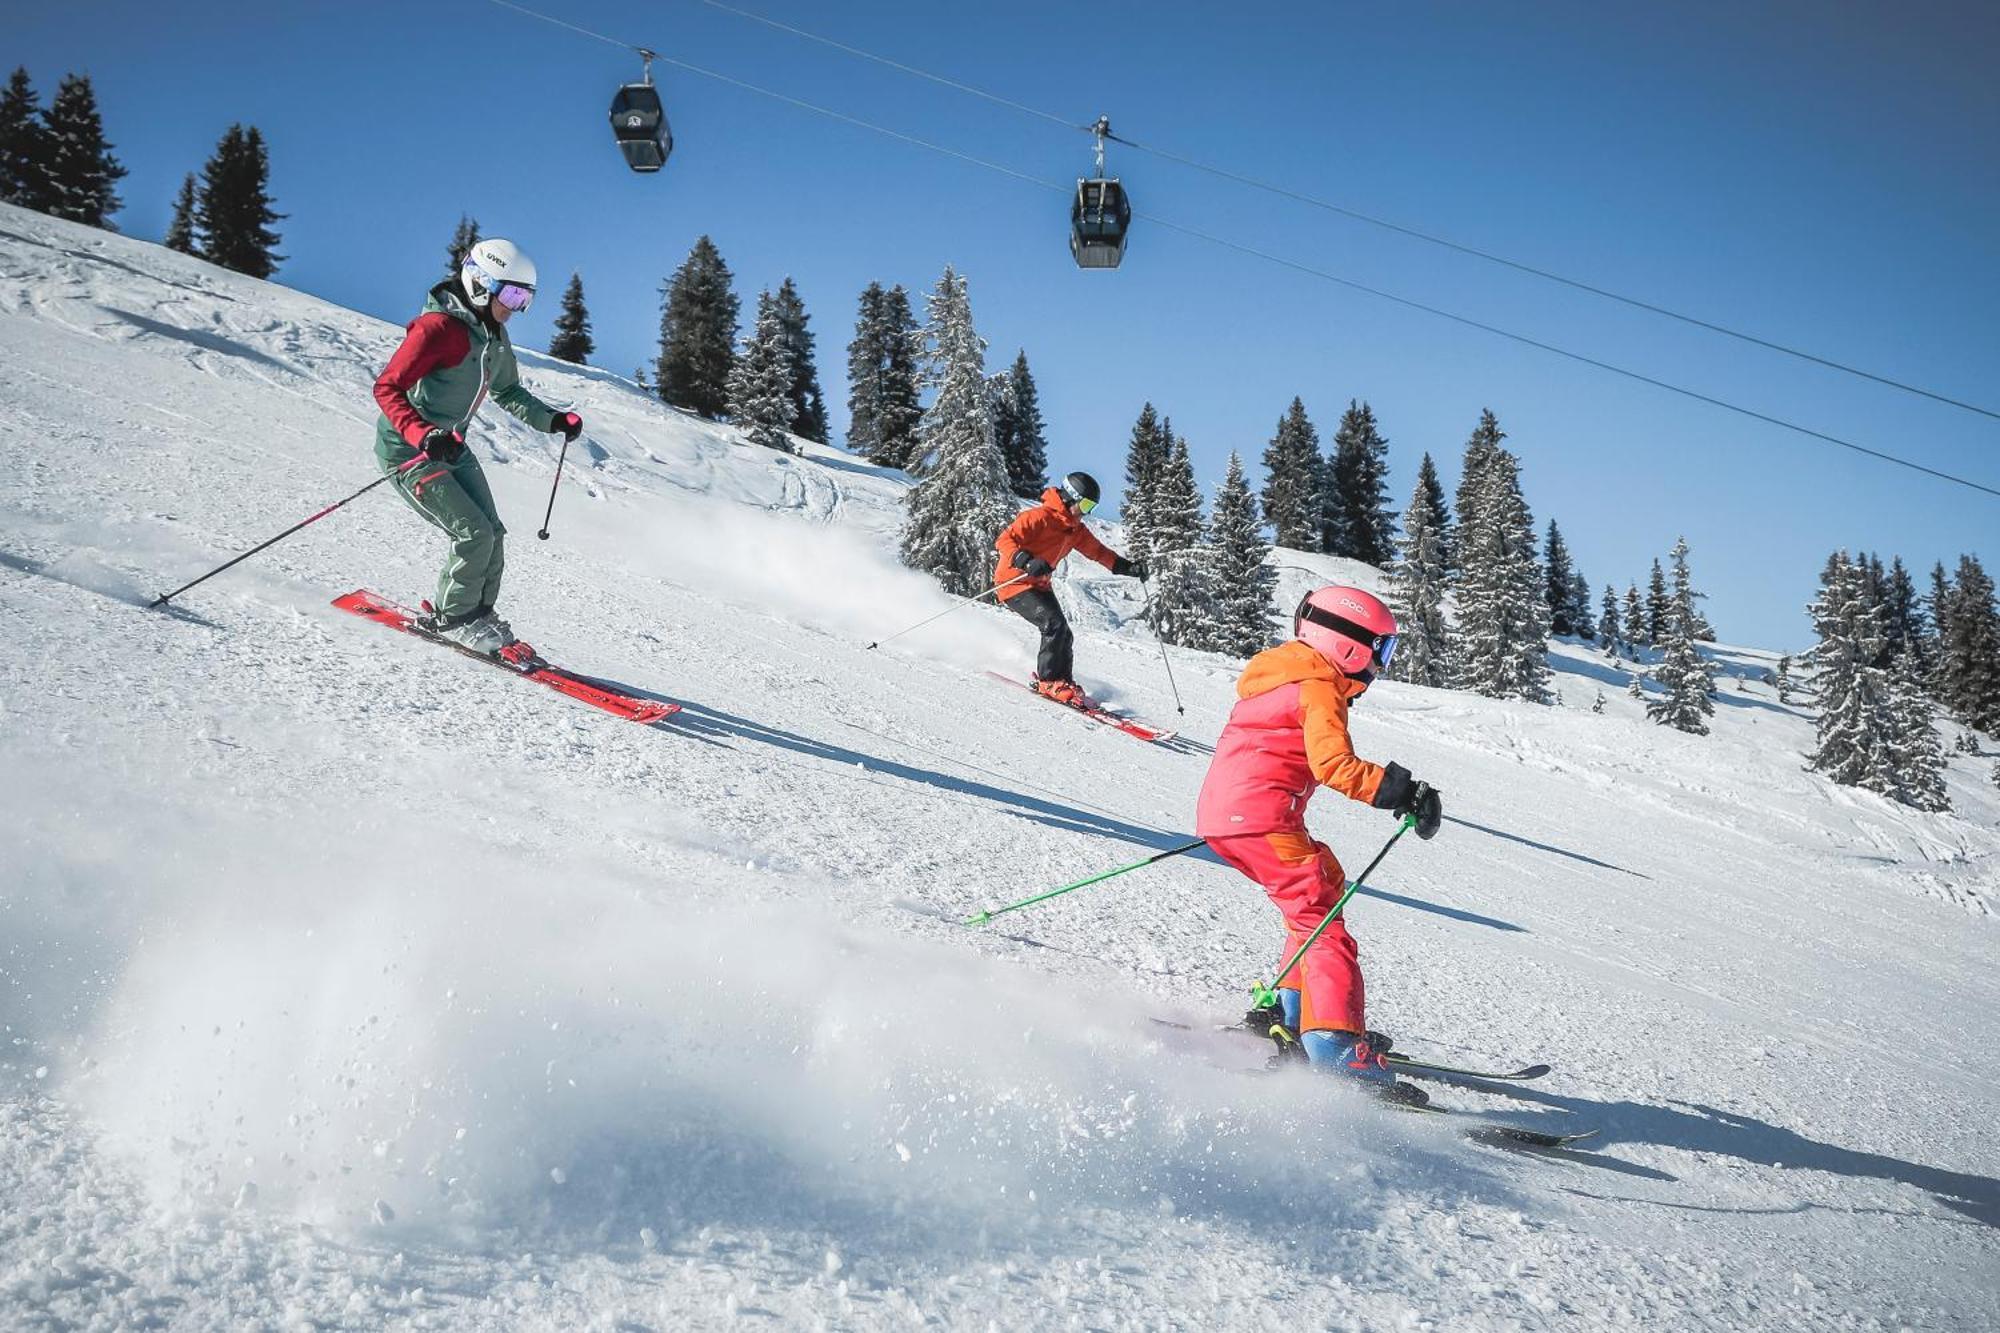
[(1694, 1127), (716, 727)]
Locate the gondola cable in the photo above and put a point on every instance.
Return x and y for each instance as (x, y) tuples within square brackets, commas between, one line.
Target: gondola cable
[(1295, 265), (1401, 229)]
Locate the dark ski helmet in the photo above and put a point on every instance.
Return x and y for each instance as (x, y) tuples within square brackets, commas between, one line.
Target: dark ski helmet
[(1082, 488)]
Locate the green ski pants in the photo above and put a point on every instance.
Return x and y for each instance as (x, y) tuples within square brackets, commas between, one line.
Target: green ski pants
[(455, 497)]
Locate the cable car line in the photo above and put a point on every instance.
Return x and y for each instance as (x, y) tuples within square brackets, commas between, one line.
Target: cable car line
[(1353, 214), (1293, 264)]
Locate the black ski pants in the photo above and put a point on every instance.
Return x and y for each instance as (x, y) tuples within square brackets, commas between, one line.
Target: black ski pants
[(1039, 607)]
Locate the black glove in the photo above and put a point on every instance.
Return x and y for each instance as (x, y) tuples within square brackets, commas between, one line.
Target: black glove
[(568, 425), (1406, 796), (443, 446), (1129, 569), (1030, 564)]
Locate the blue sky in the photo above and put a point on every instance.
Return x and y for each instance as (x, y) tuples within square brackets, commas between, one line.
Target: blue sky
[(1821, 174)]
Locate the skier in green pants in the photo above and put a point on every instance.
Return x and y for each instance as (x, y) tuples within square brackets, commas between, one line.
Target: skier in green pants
[(455, 356)]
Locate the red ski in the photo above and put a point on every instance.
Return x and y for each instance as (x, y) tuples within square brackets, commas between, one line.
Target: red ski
[(385, 612), (1095, 711)]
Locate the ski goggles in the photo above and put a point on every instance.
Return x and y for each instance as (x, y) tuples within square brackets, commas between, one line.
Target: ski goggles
[(514, 296), (1382, 647), (1084, 506)]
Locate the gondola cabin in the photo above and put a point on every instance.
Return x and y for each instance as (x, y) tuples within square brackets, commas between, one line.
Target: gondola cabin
[(640, 123), (1098, 221)]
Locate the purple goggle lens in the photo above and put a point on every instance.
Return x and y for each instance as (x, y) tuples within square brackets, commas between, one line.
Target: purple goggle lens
[(514, 296)]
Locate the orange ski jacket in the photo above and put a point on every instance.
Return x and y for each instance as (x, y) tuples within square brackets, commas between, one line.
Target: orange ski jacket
[(1047, 532)]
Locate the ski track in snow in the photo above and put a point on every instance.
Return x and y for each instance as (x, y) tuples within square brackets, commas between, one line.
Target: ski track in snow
[(348, 984)]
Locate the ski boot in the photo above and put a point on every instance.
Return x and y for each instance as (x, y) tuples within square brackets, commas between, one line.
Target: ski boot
[(1062, 691), (512, 650), (1355, 1056), (475, 633)]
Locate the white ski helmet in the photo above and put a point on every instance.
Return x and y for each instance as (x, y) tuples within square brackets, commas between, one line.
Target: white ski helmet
[(493, 265)]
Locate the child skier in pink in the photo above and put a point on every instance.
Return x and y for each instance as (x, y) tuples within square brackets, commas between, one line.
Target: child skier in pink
[(1286, 736)]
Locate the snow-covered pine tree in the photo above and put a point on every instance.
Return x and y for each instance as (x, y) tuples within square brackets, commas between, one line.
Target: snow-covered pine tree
[(1020, 434), (1609, 631), (1635, 618), (1292, 480), (1479, 447), (1687, 677), (760, 379), (1500, 645), (1969, 649), (1354, 513), (1905, 615), (572, 341), (639, 378), (1784, 680), (234, 213), (83, 175), (1418, 581), (180, 230), (1182, 605), (1939, 605), (698, 334), (1858, 722), (808, 403), (959, 507), (1241, 581), (1557, 573), (1579, 608), (883, 397), (1635, 686), (24, 146), (463, 238), (1145, 457), (1920, 759), (1657, 606)]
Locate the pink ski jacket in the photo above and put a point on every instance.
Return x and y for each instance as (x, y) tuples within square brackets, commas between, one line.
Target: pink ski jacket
[(1286, 736)]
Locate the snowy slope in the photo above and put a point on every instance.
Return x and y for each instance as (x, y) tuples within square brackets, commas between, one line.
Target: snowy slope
[(349, 984)]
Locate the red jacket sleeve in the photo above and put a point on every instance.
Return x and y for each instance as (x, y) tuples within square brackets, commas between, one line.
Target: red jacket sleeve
[(1087, 543), (434, 342)]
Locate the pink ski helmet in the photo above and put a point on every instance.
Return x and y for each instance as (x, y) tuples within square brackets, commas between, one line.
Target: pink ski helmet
[(1350, 628)]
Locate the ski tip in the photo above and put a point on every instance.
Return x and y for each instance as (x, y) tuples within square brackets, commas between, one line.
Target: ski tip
[(1532, 1071)]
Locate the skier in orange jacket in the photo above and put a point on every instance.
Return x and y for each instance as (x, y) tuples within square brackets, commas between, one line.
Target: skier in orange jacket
[(1030, 549)]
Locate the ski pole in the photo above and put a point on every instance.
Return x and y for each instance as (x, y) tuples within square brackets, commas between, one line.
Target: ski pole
[(544, 533), (963, 602), (1163, 659), (166, 597), (981, 918), (1262, 995)]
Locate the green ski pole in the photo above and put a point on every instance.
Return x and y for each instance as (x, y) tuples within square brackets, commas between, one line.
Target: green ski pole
[(1263, 996), (981, 918)]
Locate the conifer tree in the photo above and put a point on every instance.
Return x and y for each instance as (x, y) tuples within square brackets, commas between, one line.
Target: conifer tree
[(24, 146), (1581, 623), (1181, 597), (82, 173), (808, 404), (1145, 458), (1609, 631), (1241, 580), (1920, 759), (1292, 481), (1558, 573), (1354, 515), (1656, 607), (961, 504), (1437, 512), (760, 379), (1500, 647), (883, 398), (233, 212), (1483, 443), (1858, 722), (1418, 582), (1905, 615), (463, 238), (698, 334), (1635, 618), (1940, 613), (180, 231), (1687, 676), (1018, 431), (572, 341), (1968, 667), (1784, 680)]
